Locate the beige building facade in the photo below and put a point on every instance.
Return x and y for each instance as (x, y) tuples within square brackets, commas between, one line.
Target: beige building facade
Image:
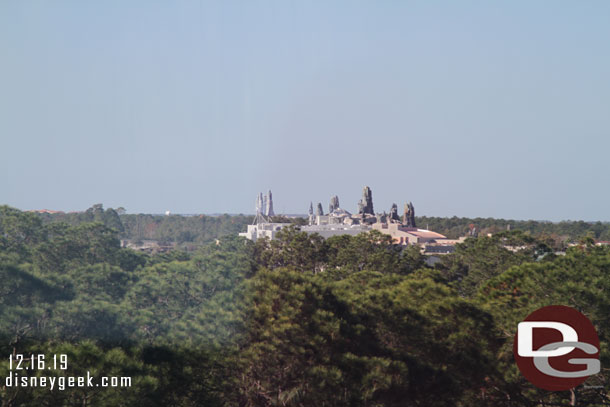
[(404, 235)]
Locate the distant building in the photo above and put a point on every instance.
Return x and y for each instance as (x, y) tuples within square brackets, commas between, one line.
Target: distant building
[(328, 230), (431, 249), (147, 246), (259, 230), (262, 225), (444, 246), (46, 211), (338, 221), (404, 235), (337, 216)]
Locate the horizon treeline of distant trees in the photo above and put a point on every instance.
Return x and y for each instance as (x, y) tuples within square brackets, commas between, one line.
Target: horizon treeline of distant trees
[(201, 229), (177, 229), (297, 321), (560, 232)]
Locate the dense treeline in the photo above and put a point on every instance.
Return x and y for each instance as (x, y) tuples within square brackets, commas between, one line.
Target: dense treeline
[(560, 232), (184, 231), (189, 231), (298, 321)]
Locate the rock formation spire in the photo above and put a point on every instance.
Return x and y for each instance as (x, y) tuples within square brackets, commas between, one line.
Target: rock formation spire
[(334, 204), (260, 210), (365, 206), (394, 218), (269, 204), (259, 204), (409, 216), (320, 211)]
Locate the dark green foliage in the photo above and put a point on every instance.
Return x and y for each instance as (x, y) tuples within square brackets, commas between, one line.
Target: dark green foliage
[(297, 321), (294, 249), (580, 279), (68, 247), (185, 231), (477, 260), (372, 251), (369, 339), (19, 232)]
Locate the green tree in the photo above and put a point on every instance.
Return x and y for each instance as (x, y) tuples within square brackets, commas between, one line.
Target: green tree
[(477, 260), (69, 247), (369, 339), (19, 233), (292, 248), (372, 251), (580, 279)]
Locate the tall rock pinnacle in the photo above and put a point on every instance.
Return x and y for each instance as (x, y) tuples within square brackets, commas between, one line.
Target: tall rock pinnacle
[(409, 216), (365, 206), (334, 204), (320, 211), (259, 204), (269, 206), (394, 218)]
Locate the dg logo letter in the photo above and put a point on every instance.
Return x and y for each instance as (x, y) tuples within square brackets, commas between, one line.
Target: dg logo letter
[(556, 348)]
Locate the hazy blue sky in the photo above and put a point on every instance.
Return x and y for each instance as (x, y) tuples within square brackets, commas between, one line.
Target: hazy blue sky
[(469, 108)]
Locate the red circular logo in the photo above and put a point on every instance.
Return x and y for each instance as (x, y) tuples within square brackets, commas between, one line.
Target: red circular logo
[(556, 348)]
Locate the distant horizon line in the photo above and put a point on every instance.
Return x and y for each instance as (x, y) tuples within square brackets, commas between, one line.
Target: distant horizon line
[(302, 215)]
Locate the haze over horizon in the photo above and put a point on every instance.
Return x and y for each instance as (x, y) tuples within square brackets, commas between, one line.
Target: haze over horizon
[(470, 109)]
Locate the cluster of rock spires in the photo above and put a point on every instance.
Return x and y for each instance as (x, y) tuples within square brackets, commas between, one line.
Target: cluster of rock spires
[(337, 215), (264, 207), (366, 213)]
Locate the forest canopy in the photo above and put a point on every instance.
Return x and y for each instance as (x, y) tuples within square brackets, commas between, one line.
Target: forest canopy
[(297, 321)]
